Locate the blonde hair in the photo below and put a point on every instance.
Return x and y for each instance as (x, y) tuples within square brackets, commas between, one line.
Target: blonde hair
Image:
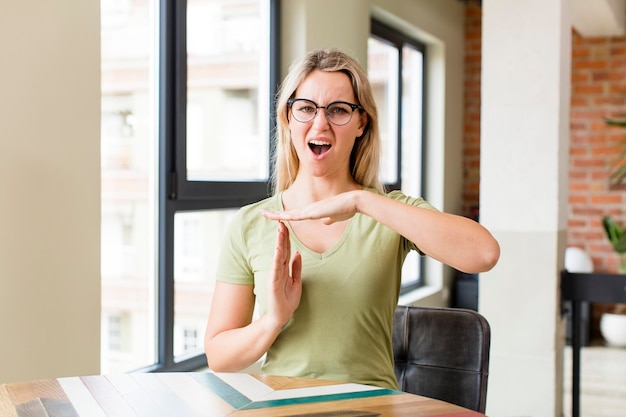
[(365, 157)]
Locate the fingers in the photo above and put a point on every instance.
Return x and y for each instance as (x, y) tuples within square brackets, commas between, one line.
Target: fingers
[(296, 267), (271, 215), (282, 254), (282, 215), (282, 251), (328, 220), (285, 243), (338, 208), (284, 286)]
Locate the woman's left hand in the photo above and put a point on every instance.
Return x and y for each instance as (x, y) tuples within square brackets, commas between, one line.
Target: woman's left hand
[(334, 209)]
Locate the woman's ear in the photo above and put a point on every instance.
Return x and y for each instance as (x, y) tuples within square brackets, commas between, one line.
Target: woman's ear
[(363, 121)]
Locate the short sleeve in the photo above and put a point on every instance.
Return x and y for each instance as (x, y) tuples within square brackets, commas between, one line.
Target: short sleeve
[(233, 266), (414, 201)]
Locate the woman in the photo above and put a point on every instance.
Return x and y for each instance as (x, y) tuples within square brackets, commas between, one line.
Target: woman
[(326, 311)]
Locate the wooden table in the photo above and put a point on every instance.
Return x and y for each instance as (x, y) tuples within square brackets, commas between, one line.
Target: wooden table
[(197, 394)]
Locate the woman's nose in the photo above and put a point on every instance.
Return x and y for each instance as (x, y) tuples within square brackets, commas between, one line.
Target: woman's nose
[(321, 118)]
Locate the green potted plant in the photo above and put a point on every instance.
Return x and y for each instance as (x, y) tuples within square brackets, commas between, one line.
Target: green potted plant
[(617, 238), (618, 175)]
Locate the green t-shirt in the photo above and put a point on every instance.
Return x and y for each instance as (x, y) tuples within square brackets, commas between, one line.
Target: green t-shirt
[(342, 327)]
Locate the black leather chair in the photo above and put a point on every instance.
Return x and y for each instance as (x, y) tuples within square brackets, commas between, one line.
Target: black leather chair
[(442, 353)]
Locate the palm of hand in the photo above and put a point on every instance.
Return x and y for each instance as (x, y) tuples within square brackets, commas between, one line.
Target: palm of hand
[(285, 288)]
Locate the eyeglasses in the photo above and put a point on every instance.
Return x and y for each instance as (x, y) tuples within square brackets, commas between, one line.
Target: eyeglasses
[(338, 113)]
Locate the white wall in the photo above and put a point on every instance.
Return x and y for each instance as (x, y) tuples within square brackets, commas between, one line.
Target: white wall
[(50, 189), (526, 64)]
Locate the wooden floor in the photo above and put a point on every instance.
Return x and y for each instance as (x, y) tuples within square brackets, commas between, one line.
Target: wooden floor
[(602, 382)]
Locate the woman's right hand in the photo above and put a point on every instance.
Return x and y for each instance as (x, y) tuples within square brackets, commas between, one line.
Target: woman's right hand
[(285, 283), (233, 341)]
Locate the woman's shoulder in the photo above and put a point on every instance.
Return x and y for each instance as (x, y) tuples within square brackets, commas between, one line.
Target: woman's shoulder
[(251, 213), (268, 203), (249, 220)]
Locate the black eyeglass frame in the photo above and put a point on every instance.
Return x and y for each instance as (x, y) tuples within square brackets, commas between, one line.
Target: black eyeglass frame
[(353, 106)]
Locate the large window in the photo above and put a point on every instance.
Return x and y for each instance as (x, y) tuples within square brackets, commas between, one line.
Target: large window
[(128, 165), (186, 99), (396, 70)]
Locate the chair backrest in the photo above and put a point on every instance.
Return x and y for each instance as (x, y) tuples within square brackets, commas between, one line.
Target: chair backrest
[(442, 353)]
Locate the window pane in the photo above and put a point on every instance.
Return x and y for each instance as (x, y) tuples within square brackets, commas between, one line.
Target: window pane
[(227, 90), (382, 64), (412, 82), (128, 149), (391, 92), (412, 67), (197, 240)]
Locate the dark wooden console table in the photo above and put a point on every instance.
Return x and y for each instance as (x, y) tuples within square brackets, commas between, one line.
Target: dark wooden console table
[(579, 288)]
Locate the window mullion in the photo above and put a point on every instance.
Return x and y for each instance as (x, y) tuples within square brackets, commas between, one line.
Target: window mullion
[(168, 73)]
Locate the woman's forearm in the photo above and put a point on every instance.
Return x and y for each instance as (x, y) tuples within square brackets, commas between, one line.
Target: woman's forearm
[(236, 349), (454, 240)]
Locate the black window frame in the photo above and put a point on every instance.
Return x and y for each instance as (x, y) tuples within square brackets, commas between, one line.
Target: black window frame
[(176, 194), (397, 39)]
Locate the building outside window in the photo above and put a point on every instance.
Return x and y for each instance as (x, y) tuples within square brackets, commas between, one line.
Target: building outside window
[(183, 146)]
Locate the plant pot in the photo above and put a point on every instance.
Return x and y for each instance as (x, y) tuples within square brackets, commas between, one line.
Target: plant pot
[(613, 329)]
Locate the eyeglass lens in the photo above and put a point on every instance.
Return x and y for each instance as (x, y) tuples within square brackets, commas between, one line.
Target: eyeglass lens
[(337, 113)]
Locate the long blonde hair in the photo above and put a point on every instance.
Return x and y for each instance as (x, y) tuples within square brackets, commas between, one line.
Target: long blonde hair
[(365, 157)]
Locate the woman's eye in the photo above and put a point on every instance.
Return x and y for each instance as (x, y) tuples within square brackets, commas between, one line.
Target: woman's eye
[(306, 109), (337, 110)]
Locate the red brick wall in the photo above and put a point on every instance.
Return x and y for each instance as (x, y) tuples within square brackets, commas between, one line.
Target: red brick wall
[(471, 139), (598, 91)]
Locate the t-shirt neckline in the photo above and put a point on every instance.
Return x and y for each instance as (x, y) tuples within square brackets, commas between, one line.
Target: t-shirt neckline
[(305, 249)]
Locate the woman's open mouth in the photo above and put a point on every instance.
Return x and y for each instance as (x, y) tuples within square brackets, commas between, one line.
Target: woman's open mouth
[(319, 147)]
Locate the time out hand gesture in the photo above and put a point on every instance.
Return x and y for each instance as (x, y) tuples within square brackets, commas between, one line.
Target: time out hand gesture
[(285, 288)]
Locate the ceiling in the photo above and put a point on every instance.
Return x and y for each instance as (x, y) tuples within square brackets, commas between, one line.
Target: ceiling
[(593, 18)]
